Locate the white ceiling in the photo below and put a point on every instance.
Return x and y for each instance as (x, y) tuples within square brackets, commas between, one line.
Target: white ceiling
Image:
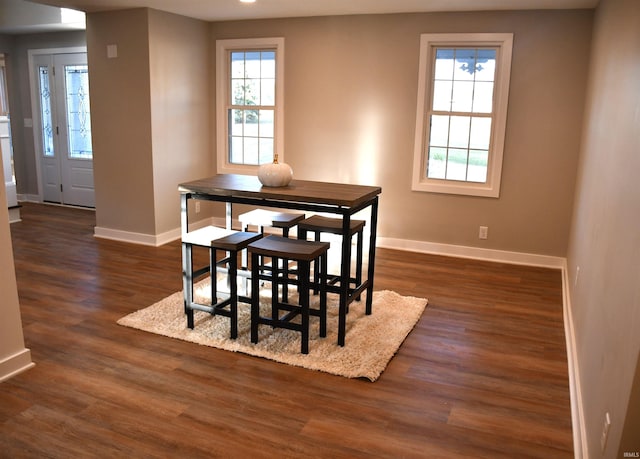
[(223, 10), (31, 16)]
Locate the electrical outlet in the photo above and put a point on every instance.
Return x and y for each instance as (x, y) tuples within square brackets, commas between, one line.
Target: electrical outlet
[(484, 232), (605, 431), (197, 207)]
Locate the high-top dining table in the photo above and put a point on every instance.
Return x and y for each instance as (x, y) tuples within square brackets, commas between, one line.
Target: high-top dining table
[(336, 198)]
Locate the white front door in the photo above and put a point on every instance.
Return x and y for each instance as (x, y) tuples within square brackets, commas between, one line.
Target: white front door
[(64, 128)]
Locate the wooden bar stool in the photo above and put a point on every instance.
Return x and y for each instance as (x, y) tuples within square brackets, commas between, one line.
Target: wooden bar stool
[(262, 218), (303, 253), (214, 239), (318, 225)]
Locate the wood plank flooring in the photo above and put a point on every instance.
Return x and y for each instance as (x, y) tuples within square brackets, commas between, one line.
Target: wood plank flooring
[(482, 375)]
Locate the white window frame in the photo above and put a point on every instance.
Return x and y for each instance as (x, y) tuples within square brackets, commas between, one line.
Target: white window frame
[(4, 97), (503, 42), (223, 85)]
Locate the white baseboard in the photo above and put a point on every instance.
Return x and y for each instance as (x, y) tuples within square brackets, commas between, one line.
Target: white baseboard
[(477, 253), (14, 215), (154, 240), (580, 445), (29, 198), (15, 364)]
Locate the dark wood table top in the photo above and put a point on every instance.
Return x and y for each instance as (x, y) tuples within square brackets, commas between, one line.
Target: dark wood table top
[(248, 186)]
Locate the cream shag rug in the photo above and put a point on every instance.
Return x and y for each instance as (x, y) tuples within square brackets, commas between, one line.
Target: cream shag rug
[(370, 343)]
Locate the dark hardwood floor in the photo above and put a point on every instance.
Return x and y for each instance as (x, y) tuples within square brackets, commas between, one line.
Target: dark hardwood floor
[(483, 374)]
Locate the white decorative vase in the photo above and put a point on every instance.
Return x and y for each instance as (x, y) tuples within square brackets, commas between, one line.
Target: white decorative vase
[(275, 174)]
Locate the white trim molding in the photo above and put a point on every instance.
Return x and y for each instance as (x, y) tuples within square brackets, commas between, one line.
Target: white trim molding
[(580, 445), (15, 364), (154, 240), (500, 256)]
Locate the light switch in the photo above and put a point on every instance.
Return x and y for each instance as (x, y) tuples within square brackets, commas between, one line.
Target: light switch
[(28, 122), (112, 51)]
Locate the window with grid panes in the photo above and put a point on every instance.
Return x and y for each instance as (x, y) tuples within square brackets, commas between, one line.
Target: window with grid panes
[(249, 97), (461, 116)]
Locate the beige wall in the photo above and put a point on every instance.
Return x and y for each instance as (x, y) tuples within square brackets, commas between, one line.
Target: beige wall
[(350, 104), (150, 113), (14, 357), (605, 235), (121, 120), (350, 101), (180, 59)]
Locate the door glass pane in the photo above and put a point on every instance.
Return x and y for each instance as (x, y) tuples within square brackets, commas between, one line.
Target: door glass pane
[(45, 108), (78, 115)]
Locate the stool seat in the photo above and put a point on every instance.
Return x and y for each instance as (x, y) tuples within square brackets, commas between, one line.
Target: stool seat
[(263, 218), (203, 236), (329, 225), (235, 242), (214, 238), (303, 253), (275, 246)]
